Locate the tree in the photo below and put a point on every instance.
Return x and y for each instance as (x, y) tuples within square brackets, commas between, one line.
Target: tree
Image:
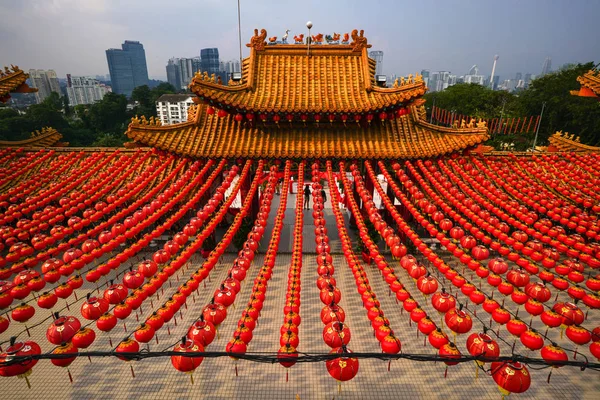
[(107, 140), (474, 100), (563, 112), (146, 98)]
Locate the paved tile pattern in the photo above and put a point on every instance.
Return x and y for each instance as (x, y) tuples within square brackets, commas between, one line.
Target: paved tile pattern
[(215, 378)]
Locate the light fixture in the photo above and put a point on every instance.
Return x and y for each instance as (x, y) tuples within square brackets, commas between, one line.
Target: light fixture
[(381, 80), (236, 76)]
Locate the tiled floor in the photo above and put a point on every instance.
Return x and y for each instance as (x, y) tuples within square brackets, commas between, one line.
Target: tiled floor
[(215, 378)]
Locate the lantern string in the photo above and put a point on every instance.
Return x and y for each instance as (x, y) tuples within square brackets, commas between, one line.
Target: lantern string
[(272, 357)]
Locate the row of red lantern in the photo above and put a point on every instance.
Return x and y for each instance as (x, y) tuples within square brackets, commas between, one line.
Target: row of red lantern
[(93, 305), (544, 201), (42, 220), (57, 167), (566, 313), (60, 232), (457, 321), (243, 333), (114, 262), (52, 270), (577, 185), (148, 329), (584, 162), (203, 330), (530, 249), (289, 338), (90, 167), (336, 333), (25, 164), (574, 291), (168, 309), (313, 117), (542, 229)]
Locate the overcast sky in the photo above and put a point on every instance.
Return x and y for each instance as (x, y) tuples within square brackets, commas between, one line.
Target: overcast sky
[(71, 36)]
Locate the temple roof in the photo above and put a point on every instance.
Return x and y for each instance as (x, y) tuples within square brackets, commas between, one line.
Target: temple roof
[(282, 78), (48, 137), (590, 84), (206, 135), (565, 142), (13, 80)]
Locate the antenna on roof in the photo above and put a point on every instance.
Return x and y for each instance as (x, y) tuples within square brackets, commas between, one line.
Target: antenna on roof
[(309, 38), (240, 33)]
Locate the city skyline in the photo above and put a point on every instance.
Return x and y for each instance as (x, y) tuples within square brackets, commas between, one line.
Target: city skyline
[(432, 35)]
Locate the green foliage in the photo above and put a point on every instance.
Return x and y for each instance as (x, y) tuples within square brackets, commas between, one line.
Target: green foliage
[(242, 234), (563, 112), (373, 234), (146, 98), (474, 100)]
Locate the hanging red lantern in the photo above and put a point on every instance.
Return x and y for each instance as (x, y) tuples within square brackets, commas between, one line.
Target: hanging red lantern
[(287, 355), (186, 363), (19, 349), (511, 377), (336, 334), (532, 340), (344, 367), (127, 346), (23, 312), (458, 321), (84, 338), (93, 308), (62, 329), (64, 348), (443, 301)]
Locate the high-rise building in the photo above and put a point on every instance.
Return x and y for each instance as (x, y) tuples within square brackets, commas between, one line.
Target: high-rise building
[(85, 90), (180, 71), (173, 108), (127, 67), (45, 82), (378, 57), (209, 61), (173, 73), (547, 67), (518, 76), (425, 73)]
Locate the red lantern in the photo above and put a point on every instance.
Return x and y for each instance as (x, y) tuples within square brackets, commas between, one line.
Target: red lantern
[(344, 367), (84, 338), (458, 321), (336, 334), (19, 349), (186, 363), (64, 348), (62, 329), (93, 308), (511, 377), (127, 346)]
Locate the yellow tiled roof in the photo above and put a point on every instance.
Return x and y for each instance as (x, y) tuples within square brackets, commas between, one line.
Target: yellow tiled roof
[(283, 78), (13, 80), (590, 80), (48, 137), (565, 142), (212, 136)]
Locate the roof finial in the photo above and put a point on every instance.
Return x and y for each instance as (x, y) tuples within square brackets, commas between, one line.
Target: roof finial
[(309, 25)]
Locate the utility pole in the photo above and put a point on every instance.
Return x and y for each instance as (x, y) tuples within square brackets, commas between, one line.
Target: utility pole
[(502, 113), (432, 107), (240, 33), (537, 129)]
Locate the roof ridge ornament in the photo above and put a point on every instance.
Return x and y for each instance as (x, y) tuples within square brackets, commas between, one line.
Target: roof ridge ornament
[(359, 42), (257, 42)]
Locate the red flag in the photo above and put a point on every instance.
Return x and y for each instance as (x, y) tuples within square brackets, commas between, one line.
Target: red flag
[(517, 125)]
